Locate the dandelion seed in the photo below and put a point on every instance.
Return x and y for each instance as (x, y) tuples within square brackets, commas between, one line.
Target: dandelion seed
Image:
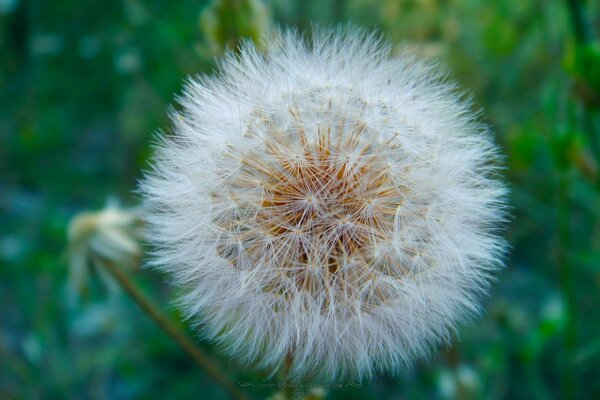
[(327, 204)]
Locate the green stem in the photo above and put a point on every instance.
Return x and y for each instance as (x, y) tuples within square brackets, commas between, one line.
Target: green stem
[(581, 25), (583, 31), (567, 282), (174, 331)]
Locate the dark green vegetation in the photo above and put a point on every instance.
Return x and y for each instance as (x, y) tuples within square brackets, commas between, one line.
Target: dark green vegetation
[(83, 85)]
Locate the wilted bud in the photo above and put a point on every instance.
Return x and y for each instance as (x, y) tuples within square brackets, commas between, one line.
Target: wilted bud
[(110, 235)]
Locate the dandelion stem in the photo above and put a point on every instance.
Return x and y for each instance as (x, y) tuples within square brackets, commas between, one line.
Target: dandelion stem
[(174, 331), (287, 367)]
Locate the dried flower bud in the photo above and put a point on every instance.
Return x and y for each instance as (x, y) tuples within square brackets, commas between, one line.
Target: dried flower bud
[(108, 235)]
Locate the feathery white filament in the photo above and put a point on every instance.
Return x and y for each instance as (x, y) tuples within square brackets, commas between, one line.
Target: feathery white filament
[(327, 204)]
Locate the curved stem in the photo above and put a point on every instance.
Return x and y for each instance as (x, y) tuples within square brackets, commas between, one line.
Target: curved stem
[(174, 331)]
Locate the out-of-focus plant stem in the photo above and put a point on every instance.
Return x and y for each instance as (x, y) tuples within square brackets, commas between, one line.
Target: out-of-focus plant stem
[(567, 283), (584, 35), (581, 25), (174, 331), (583, 32)]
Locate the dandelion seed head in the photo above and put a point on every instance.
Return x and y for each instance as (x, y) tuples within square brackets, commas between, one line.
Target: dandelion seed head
[(326, 203)]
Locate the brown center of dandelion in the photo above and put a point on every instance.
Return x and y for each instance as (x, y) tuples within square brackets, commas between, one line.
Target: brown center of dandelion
[(315, 203)]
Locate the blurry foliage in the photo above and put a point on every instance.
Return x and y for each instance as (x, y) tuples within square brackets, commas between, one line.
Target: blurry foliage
[(225, 22), (583, 63), (83, 86)]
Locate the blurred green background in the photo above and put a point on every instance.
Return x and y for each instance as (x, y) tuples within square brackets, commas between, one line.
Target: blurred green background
[(84, 85)]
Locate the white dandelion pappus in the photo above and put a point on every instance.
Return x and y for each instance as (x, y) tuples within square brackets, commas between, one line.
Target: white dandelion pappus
[(327, 204)]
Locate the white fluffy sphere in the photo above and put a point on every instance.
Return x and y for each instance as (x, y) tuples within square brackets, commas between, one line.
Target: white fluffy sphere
[(327, 204)]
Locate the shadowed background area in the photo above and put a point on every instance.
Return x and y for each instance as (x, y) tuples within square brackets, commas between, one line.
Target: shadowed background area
[(85, 85)]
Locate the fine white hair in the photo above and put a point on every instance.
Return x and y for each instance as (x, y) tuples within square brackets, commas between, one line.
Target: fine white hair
[(326, 205)]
